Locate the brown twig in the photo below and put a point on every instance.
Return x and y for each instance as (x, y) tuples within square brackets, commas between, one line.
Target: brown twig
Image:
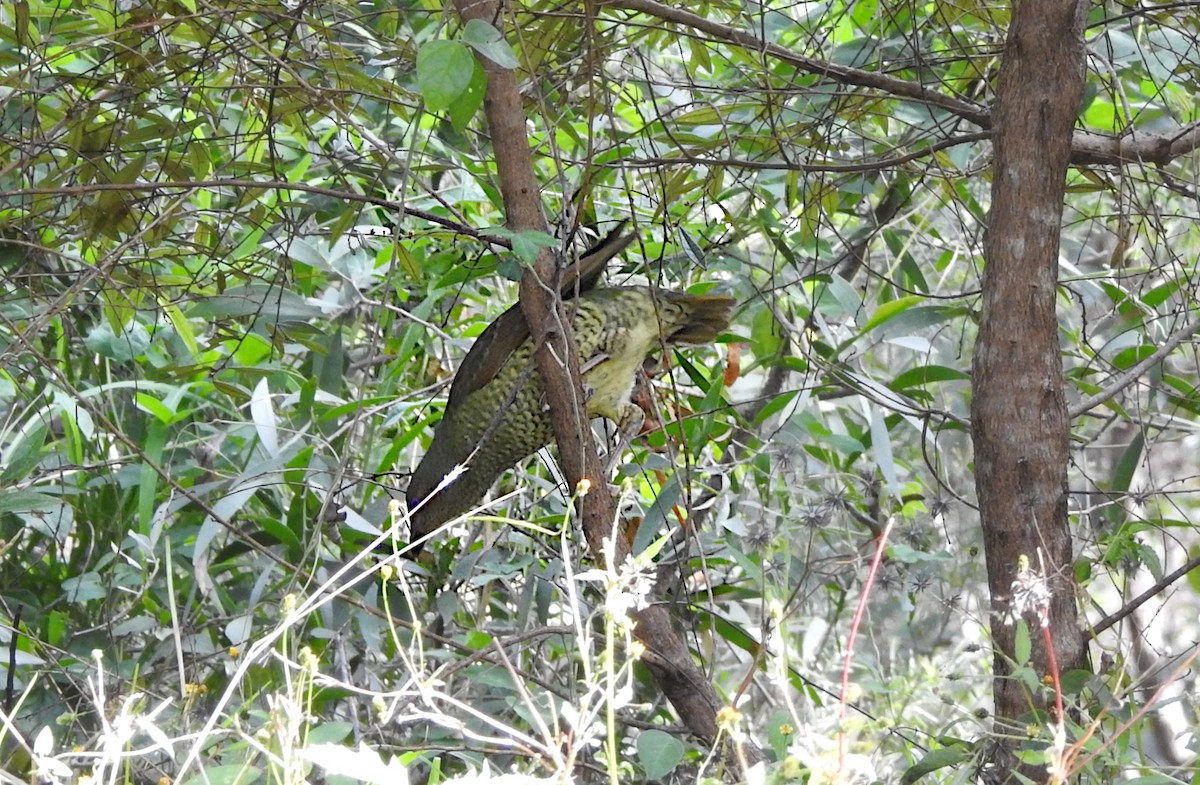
[(1142, 598)]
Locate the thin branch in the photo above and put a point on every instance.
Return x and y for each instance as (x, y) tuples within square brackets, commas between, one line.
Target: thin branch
[(840, 73), (1130, 376), (279, 185), (868, 165), (1087, 148), (1142, 598)]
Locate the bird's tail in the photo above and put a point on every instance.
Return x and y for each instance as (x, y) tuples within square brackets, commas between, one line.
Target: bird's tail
[(707, 316)]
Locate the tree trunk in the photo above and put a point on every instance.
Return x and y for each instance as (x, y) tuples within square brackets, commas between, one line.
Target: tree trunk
[(1021, 428)]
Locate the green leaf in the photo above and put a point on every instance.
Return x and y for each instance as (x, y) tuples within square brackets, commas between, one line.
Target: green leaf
[(1152, 779), (444, 70), (1035, 757), (659, 753), (133, 341), (888, 310), (699, 54), (156, 438), (527, 244), (780, 732), (1022, 644), (908, 555), (1127, 466), (1193, 577), (837, 299), (285, 305), (735, 634), (152, 406), (283, 535), (23, 458), (776, 404), (924, 375), (881, 444), (28, 501), (183, 329), (1160, 294), (651, 551), (56, 628), (329, 733), (488, 41), (1149, 558), (468, 103), (1127, 358), (766, 335), (936, 759), (85, 588)]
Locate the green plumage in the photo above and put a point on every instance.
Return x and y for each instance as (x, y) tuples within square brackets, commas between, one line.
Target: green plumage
[(496, 414)]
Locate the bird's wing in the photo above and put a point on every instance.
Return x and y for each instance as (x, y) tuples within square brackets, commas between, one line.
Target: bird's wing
[(502, 337)]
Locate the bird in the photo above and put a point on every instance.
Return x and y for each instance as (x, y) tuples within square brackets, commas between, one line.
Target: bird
[(496, 413)]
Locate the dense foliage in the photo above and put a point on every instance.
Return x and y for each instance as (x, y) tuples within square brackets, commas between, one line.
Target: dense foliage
[(245, 246)]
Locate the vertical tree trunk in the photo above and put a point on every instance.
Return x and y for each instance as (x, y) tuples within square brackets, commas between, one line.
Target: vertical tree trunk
[(1021, 427)]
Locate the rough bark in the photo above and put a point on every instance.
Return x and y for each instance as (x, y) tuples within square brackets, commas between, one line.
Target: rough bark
[(1019, 414), (667, 656)]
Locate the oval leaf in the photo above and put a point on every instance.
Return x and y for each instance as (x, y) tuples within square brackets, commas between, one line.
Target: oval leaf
[(444, 70), (659, 753), (486, 40)]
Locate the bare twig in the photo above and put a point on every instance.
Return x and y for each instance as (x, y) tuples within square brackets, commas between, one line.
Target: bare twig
[(1142, 598), (1128, 377)]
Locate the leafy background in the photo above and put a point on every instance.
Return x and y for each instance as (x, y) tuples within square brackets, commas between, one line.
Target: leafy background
[(245, 245)]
